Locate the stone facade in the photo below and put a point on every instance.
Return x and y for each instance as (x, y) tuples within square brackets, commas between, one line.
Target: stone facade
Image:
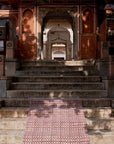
[(34, 29), (31, 24)]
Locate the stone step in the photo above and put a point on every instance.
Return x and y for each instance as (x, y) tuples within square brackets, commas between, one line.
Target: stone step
[(51, 73), (58, 63), (11, 136), (13, 123), (97, 102), (14, 112), (99, 112), (96, 137), (101, 137), (113, 103), (85, 70), (56, 85), (86, 102), (100, 124), (22, 112), (57, 79), (57, 68), (92, 124), (71, 93)]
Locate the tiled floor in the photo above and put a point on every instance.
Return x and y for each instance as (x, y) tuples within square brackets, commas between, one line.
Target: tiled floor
[(56, 122)]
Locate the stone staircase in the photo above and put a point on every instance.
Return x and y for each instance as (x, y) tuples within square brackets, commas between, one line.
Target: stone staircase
[(13, 123), (54, 79), (57, 79)]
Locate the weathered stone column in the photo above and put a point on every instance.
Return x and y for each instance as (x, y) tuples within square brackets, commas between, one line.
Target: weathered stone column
[(75, 32), (74, 39), (3, 87), (2, 65), (10, 44), (39, 23), (103, 63), (11, 62)]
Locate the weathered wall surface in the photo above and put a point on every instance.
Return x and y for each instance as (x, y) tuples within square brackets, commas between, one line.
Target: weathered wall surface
[(27, 23), (27, 33), (88, 23)]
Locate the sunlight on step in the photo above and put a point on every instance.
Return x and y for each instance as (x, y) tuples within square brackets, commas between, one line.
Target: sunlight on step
[(51, 94), (80, 69), (60, 95), (86, 73)]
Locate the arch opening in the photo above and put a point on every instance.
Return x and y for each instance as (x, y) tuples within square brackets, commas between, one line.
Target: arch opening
[(57, 27), (58, 51), (27, 22)]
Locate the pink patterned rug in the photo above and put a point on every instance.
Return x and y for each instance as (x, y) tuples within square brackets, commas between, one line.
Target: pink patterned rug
[(56, 122)]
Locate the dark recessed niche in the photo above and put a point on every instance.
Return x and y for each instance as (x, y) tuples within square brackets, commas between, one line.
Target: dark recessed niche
[(111, 50), (14, 6), (5, 7)]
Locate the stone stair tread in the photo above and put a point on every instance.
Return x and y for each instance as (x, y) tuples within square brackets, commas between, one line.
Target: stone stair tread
[(56, 85), (7, 98), (14, 112), (111, 119), (57, 76), (101, 136), (12, 119), (84, 61), (46, 83), (98, 108), (55, 71), (90, 132), (96, 137), (86, 102), (97, 112), (101, 132), (89, 109), (13, 109), (27, 109), (87, 119), (24, 65), (59, 93), (61, 65), (12, 132), (59, 90), (90, 112), (13, 123), (100, 123), (58, 68)]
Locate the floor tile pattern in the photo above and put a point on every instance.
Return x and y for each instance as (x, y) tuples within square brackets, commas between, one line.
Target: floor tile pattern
[(56, 122)]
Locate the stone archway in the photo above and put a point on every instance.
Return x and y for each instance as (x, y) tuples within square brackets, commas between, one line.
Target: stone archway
[(68, 14), (59, 51), (60, 36)]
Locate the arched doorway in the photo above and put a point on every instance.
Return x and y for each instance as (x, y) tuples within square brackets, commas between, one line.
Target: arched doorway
[(58, 39), (59, 51), (58, 28)]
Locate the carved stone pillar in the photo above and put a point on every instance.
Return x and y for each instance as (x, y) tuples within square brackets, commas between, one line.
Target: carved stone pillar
[(73, 14), (38, 35)]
